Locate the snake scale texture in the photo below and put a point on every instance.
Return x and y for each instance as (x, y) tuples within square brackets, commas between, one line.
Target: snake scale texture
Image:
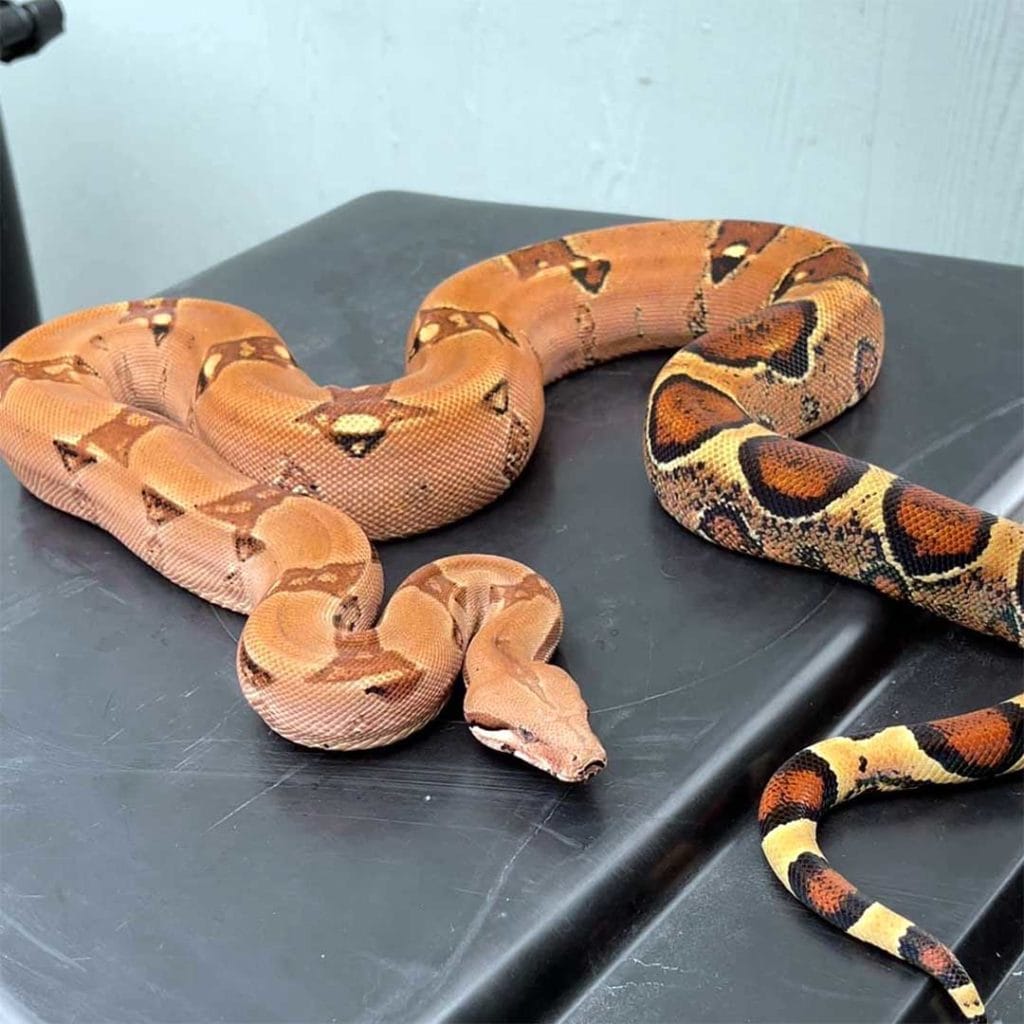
[(185, 429)]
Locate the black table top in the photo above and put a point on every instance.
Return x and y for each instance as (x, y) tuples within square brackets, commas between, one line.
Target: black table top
[(166, 857)]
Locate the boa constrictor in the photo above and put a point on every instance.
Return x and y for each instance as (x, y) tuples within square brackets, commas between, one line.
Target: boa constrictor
[(185, 428)]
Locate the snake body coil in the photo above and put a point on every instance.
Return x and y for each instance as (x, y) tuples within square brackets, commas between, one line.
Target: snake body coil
[(184, 428)]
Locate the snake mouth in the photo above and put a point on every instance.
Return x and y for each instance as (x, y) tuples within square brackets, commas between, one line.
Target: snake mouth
[(500, 738), (526, 746)]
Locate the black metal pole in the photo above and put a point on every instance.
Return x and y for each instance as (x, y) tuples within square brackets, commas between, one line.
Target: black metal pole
[(19, 305), (24, 29)]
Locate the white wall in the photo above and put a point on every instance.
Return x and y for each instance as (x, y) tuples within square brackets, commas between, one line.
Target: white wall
[(154, 139)]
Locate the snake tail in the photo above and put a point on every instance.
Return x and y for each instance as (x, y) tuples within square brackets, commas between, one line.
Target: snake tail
[(978, 745)]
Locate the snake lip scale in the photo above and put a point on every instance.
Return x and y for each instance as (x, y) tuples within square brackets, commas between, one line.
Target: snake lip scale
[(185, 428), (511, 741)]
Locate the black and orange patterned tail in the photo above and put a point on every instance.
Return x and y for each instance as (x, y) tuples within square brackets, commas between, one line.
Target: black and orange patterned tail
[(978, 745)]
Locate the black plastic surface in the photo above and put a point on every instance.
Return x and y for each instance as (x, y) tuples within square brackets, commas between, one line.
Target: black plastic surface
[(165, 857)]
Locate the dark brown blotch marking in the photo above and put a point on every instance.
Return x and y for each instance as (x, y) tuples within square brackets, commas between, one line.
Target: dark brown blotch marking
[(159, 315), (346, 618), (930, 533), (697, 320), (778, 337), (751, 235), (589, 274), (247, 546), (837, 261), (159, 508), (334, 578), (358, 445), (295, 479), (866, 364), (810, 410), (438, 324), (886, 580), (922, 950), (825, 891), (528, 588), (592, 274), (63, 370), (361, 658), (684, 413), (726, 527), (431, 580), (497, 398), (72, 456), (792, 479), (586, 334), (976, 745), (242, 509), (809, 556), (518, 447), (118, 436), (252, 675), (336, 419), (804, 787), (254, 349)]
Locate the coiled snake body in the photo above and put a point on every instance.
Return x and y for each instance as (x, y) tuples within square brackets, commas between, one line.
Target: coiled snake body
[(184, 428)]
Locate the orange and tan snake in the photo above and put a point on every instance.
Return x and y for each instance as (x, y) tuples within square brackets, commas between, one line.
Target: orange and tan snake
[(185, 429)]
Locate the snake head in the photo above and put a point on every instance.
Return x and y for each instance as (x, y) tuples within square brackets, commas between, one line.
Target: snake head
[(541, 720)]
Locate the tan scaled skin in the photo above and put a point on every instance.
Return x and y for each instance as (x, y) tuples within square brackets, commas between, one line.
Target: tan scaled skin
[(184, 427)]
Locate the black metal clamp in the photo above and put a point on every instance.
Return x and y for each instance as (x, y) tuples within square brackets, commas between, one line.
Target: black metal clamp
[(25, 28)]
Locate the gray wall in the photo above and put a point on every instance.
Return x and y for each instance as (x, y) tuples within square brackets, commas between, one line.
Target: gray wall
[(155, 139)]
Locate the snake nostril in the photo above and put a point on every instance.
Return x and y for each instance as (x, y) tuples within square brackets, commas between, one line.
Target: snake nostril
[(591, 769)]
